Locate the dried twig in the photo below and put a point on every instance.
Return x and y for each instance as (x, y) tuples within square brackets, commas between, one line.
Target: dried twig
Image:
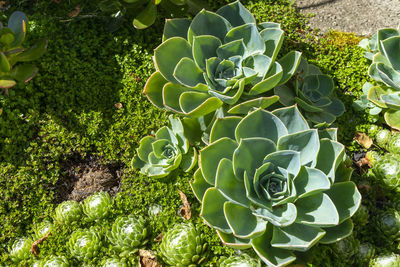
[(35, 245)]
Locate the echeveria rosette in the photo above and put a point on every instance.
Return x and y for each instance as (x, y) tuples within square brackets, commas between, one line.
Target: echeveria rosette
[(85, 244), (312, 91), (157, 156), (97, 206), (13, 55), (221, 58), (384, 51), (269, 182), (128, 234)]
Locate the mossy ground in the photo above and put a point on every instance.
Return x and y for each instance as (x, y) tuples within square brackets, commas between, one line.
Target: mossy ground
[(70, 107)]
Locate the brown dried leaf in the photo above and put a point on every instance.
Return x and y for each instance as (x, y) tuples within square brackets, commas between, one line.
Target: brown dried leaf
[(75, 12), (118, 105), (35, 245), (363, 162), (159, 238), (185, 211), (147, 259), (2, 4), (363, 139)]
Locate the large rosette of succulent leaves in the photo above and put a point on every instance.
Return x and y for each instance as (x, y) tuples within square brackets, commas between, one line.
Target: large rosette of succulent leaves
[(269, 182), (312, 91), (384, 50), (13, 55), (158, 155), (221, 58)]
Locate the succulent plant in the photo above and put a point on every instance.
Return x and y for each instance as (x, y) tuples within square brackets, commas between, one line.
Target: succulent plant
[(269, 182), (85, 244), (182, 246), (390, 260), (222, 59), (345, 249), (97, 206), (361, 216), (394, 143), (242, 260), (42, 228), (372, 157), (20, 249), (383, 49), (128, 233), (114, 262), (383, 138), (312, 91), (365, 253), (388, 222), (67, 212), (387, 171), (144, 12), (13, 55), (54, 261), (158, 155)]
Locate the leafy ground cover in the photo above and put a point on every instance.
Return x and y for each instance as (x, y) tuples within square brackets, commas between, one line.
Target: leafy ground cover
[(86, 105)]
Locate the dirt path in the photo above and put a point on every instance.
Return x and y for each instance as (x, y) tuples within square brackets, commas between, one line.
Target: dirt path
[(359, 16)]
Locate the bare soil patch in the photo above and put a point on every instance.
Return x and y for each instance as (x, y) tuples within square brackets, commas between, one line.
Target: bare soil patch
[(363, 17), (83, 177)]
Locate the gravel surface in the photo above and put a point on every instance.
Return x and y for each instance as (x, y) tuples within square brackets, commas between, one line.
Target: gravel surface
[(360, 16)]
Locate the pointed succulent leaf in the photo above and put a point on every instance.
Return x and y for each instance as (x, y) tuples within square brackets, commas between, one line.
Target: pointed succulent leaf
[(292, 119), (242, 222), (233, 241), (305, 142), (204, 47), (385, 74), (270, 255), (176, 28), (236, 14), (208, 23), (224, 127), (7, 83), (269, 25), (271, 79), (329, 133), (24, 72), (346, 197), (153, 89), (212, 210), (250, 154), (329, 157), (189, 160), (390, 48), (211, 155), (286, 159), (289, 64), (286, 95), (171, 93), (187, 73), (310, 181), (229, 186), (317, 210), (250, 36), (247, 106), (338, 232), (18, 23), (5, 65), (260, 123), (199, 185), (307, 105), (297, 236), (168, 54), (231, 49), (32, 53), (196, 104), (273, 38), (280, 216), (392, 118), (146, 17)]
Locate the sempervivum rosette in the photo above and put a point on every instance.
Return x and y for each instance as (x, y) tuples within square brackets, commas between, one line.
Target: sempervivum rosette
[(218, 58), (269, 182)]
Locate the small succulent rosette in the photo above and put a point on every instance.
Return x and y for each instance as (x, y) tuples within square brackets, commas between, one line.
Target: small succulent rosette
[(157, 156), (242, 260), (42, 229), (68, 212), (13, 55), (53, 261), (128, 234), (269, 182), (222, 58), (383, 49), (85, 244), (97, 206), (313, 92), (182, 246), (20, 249)]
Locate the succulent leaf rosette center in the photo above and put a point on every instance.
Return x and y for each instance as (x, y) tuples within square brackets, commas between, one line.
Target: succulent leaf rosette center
[(269, 182)]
